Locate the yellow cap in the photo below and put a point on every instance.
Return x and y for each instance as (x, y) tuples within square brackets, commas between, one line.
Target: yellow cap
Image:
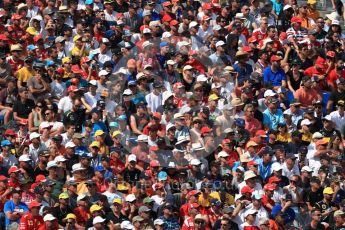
[(64, 195), (32, 31), (95, 207), (115, 133), (70, 216), (117, 200), (66, 59), (99, 133), (95, 144), (213, 97), (122, 187), (311, 2), (76, 37), (328, 190)]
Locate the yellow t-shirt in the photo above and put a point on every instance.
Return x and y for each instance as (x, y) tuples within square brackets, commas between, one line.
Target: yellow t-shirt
[(81, 188), (284, 137), (24, 74), (76, 52), (229, 198)]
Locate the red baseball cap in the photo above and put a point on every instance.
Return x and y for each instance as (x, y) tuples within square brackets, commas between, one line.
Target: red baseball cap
[(247, 189), (72, 88), (205, 130), (192, 193), (296, 19), (60, 70), (273, 179), (157, 115), (154, 163), (2, 178), (206, 6), (23, 121), (40, 178), (247, 49), (252, 163), (13, 169), (16, 17), (37, 38), (75, 80), (276, 58), (269, 187), (34, 204), (10, 132), (261, 133)]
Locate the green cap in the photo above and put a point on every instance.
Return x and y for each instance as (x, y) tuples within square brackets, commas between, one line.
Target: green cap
[(147, 200)]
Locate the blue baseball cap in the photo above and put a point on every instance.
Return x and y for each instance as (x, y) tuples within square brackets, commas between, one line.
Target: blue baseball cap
[(99, 168), (50, 63), (132, 82), (31, 47), (216, 202), (162, 176), (5, 143), (109, 33), (113, 124), (88, 2), (239, 122), (162, 44), (122, 118)]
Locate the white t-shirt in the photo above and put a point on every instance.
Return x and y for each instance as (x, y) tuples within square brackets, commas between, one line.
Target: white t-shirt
[(65, 104), (92, 99), (314, 162), (338, 120), (153, 101)]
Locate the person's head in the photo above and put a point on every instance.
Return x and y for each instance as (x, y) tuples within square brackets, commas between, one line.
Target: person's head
[(328, 194), (316, 215), (339, 217)]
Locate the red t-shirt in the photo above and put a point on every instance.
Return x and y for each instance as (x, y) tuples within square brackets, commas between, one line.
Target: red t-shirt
[(82, 215), (259, 35), (29, 222), (266, 200), (333, 77)]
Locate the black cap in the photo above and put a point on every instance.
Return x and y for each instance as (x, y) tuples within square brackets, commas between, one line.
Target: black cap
[(303, 150), (90, 182), (315, 179), (287, 196), (57, 138), (22, 89), (324, 169), (205, 110), (38, 65), (157, 84), (290, 156), (48, 183)]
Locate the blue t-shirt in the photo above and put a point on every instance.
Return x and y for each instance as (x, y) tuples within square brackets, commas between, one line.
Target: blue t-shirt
[(275, 79), (272, 120), (243, 73), (10, 206), (277, 7)]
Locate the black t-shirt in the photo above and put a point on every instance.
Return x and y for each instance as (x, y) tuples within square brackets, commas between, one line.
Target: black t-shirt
[(131, 176), (318, 227), (60, 214), (23, 109), (324, 207), (116, 220), (313, 197), (120, 8), (336, 96)]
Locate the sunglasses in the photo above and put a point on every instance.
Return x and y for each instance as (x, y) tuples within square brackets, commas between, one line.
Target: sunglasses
[(199, 222)]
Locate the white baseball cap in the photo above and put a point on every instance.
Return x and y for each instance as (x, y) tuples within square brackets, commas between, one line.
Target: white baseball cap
[(60, 158), (97, 220), (305, 122), (51, 164), (195, 162), (132, 157), (269, 93), (130, 198), (34, 135), (24, 157), (49, 217), (306, 168), (276, 166), (223, 154)]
